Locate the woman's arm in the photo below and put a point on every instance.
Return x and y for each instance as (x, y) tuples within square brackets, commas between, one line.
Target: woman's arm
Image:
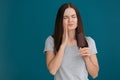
[(92, 65), (91, 62), (54, 61)]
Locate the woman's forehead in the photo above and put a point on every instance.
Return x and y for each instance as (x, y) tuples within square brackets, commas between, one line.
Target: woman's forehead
[(69, 11)]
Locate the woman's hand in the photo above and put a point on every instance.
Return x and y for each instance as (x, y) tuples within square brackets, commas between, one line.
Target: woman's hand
[(65, 36), (90, 61), (85, 52)]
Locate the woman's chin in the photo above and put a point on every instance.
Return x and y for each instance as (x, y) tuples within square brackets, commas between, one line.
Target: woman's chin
[(71, 28)]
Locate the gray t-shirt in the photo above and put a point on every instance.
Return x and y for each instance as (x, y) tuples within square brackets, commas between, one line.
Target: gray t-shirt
[(73, 65)]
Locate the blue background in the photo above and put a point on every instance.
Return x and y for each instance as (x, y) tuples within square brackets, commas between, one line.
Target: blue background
[(25, 24)]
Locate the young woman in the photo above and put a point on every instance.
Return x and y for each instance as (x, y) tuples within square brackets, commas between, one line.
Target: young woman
[(69, 54)]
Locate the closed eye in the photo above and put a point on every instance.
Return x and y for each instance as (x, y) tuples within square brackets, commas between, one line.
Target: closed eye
[(65, 17), (74, 16)]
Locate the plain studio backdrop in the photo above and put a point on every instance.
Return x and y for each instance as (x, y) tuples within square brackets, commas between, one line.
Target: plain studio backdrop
[(25, 24)]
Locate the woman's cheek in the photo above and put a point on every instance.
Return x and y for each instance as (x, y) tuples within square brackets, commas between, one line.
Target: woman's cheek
[(64, 23)]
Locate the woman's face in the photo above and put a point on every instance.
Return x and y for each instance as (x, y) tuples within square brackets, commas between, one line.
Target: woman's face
[(70, 19)]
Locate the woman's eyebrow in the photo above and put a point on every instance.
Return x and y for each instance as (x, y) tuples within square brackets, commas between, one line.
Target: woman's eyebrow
[(73, 15), (65, 16)]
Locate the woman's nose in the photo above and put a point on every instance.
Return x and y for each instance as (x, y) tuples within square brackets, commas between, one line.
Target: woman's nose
[(70, 19)]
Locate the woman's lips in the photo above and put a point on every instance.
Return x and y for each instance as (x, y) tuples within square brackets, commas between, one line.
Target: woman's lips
[(70, 24)]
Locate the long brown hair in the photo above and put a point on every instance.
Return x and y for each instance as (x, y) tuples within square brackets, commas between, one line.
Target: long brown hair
[(58, 30)]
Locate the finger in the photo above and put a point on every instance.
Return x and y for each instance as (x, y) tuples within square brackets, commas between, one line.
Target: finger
[(84, 49), (83, 52), (85, 55), (65, 29), (66, 32)]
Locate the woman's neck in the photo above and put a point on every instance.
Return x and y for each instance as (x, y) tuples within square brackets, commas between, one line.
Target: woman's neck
[(71, 38), (71, 35)]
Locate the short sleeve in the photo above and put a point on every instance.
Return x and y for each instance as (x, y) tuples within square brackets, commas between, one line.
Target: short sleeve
[(49, 44), (91, 45)]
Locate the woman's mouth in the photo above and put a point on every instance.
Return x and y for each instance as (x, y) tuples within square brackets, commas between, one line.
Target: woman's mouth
[(70, 24)]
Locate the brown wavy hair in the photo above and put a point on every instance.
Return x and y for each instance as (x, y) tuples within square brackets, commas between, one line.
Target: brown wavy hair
[(58, 30)]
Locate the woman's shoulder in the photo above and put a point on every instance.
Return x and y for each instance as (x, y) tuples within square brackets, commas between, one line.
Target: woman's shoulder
[(89, 39), (91, 44), (49, 38), (49, 44)]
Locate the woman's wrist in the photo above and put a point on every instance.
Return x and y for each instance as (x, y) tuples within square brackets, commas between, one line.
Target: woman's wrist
[(62, 46)]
